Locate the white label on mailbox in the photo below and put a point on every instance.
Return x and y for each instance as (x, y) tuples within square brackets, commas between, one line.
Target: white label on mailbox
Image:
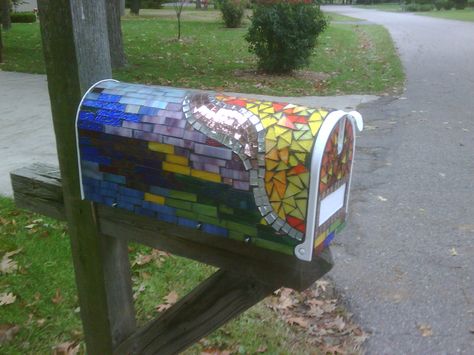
[(331, 204)]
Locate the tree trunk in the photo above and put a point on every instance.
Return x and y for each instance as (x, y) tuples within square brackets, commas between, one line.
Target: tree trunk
[(198, 4), (135, 7), (122, 7), (1, 46), (117, 53), (5, 10)]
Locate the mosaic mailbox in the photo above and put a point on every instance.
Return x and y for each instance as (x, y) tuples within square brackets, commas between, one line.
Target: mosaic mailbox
[(270, 174)]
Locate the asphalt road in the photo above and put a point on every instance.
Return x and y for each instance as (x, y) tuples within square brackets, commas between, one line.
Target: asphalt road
[(406, 261)]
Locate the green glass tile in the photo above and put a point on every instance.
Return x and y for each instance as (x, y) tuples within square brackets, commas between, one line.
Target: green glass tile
[(183, 195), (187, 214), (205, 209), (236, 235), (340, 227), (262, 243), (242, 228), (335, 225), (179, 204), (211, 220), (226, 209)]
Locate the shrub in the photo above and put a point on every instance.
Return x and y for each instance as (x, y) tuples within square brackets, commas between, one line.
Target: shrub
[(460, 4), (470, 3), (283, 34), (439, 4), (148, 4), (23, 17), (418, 7), (448, 5), (232, 12)]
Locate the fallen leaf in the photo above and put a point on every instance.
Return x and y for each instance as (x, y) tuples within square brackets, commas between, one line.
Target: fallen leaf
[(66, 348), (172, 297), (454, 252), (212, 351), (139, 290), (302, 322), (57, 298), (7, 265), (7, 298), (261, 349), (8, 332), (339, 323), (425, 330)]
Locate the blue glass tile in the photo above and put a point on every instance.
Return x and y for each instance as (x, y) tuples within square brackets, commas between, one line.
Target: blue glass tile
[(212, 229), (129, 200), (167, 218), (108, 97), (329, 239), (145, 212), (159, 191), (90, 126), (92, 96), (127, 206), (159, 208), (119, 179), (84, 141), (150, 111), (109, 192), (131, 192), (187, 222), (91, 182), (109, 201), (98, 159), (113, 106), (109, 185)]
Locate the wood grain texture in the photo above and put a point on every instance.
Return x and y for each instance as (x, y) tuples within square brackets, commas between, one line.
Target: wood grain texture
[(214, 302), (76, 51)]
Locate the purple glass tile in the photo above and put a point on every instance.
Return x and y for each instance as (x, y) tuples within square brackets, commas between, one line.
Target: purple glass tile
[(206, 167), (119, 131), (146, 136), (241, 185), (235, 164), (169, 131), (217, 152), (172, 122), (207, 160), (195, 136), (171, 114), (146, 127), (174, 107), (235, 174), (181, 151), (153, 119), (177, 142)]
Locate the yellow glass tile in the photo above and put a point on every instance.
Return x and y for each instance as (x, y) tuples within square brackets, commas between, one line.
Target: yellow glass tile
[(299, 109), (269, 188), (324, 179), (296, 147), (302, 195), (297, 134), (344, 159), (295, 180), (177, 159), (293, 161), (287, 136), (323, 113), (276, 206), (291, 190), (253, 109), (263, 221), (304, 177), (282, 143), (301, 157), (272, 154), (290, 201), (269, 176), (271, 134), (280, 176), (282, 166), (269, 145), (287, 208), (296, 213), (305, 113), (306, 144), (274, 196), (278, 115), (175, 168), (280, 130), (282, 214), (284, 155), (315, 126), (302, 126), (263, 107), (154, 198), (205, 175), (320, 238), (289, 106), (270, 164), (285, 122), (269, 121), (160, 147), (270, 109), (280, 188), (302, 206), (315, 117)]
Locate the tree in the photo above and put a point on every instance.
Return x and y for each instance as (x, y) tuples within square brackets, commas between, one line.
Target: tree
[(117, 53), (178, 7), (135, 7), (5, 22)]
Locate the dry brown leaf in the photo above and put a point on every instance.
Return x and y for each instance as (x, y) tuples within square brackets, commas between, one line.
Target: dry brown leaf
[(215, 352), (7, 265), (58, 297), (338, 323), (261, 349), (170, 300), (8, 332), (7, 298), (302, 322), (66, 348), (425, 330)]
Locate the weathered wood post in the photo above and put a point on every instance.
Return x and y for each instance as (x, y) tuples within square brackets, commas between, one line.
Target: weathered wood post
[(76, 51)]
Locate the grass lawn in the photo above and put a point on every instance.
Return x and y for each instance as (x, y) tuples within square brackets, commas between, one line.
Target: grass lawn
[(46, 306), (349, 59), (462, 15)]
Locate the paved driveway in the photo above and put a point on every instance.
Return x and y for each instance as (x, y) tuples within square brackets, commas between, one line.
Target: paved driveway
[(406, 261)]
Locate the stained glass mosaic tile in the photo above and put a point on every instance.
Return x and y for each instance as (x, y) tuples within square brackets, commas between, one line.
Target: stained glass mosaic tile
[(238, 168)]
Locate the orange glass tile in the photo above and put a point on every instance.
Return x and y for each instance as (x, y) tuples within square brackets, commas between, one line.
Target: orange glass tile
[(269, 176), (299, 169), (269, 145), (278, 107), (272, 154), (275, 196), (269, 188), (280, 176), (283, 154), (285, 122), (280, 188)]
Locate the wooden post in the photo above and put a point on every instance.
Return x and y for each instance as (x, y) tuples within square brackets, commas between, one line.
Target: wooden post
[(76, 50)]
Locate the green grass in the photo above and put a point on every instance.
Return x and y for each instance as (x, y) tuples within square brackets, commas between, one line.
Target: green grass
[(333, 16), (391, 7), (46, 306), (213, 57), (461, 15)]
